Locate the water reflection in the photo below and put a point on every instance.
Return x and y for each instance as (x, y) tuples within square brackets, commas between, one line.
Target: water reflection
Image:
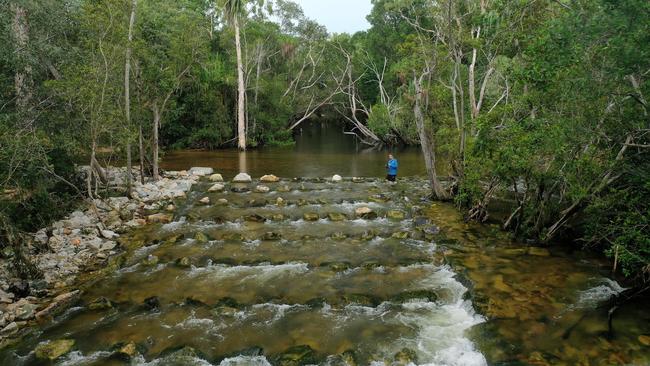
[(321, 149)]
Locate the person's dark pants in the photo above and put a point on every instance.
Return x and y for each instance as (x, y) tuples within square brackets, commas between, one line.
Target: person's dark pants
[(391, 178)]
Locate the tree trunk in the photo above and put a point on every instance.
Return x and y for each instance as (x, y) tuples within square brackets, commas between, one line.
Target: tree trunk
[(241, 89), (23, 76), (127, 94), (156, 124), (428, 146), (141, 151)]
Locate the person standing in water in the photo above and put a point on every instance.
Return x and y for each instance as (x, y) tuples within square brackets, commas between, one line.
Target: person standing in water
[(391, 168)]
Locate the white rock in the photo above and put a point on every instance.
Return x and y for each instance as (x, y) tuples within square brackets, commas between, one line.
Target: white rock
[(269, 179), (109, 245), (201, 171), (216, 178), (242, 178), (95, 243), (218, 187), (41, 237), (262, 189), (336, 178), (108, 234), (205, 200)]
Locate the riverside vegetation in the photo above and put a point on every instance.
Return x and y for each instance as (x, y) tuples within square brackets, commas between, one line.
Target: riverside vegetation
[(529, 114)]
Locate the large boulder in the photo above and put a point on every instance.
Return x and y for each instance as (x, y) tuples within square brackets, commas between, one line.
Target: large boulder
[(201, 171), (54, 349), (269, 178), (242, 178)]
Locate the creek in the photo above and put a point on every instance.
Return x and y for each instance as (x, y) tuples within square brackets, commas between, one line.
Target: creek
[(300, 275)]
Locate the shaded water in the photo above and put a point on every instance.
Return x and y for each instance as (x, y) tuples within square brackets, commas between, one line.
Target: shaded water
[(251, 281)]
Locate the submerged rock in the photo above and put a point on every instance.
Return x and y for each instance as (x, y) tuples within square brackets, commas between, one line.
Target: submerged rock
[(100, 303), (339, 236), (539, 252), (151, 260), (201, 238), (405, 357), (310, 216), (407, 296), (400, 235), (152, 303), (272, 236), (240, 188), (242, 178), (258, 202), (336, 216), (284, 188), (295, 356), (395, 215), (270, 178), (183, 262), (262, 189), (277, 217), (222, 202), (54, 349), (255, 218)]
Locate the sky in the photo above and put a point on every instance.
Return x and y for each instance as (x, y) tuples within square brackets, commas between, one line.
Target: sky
[(338, 15)]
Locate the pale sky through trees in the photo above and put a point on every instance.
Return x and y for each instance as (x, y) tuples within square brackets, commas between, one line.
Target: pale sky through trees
[(338, 15)]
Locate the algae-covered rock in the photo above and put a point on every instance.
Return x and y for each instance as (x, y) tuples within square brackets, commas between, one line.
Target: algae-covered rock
[(277, 217), (395, 215), (258, 202), (201, 238), (284, 188), (255, 218), (100, 303), (407, 296), (379, 198), (370, 265), (362, 299), (339, 236), (365, 213), (151, 260), (296, 356), (125, 351), (400, 235), (337, 266), (54, 349), (368, 235), (336, 216), (405, 357), (272, 236), (311, 216), (183, 262), (159, 218)]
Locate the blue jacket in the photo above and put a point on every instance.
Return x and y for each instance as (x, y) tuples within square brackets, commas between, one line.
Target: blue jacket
[(392, 167)]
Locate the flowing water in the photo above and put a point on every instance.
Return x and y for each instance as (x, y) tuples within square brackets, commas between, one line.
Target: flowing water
[(255, 280)]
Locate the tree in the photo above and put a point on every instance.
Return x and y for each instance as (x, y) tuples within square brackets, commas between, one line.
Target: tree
[(233, 10)]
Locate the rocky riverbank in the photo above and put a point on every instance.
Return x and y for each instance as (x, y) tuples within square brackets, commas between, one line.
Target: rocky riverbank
[(84, 241)]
